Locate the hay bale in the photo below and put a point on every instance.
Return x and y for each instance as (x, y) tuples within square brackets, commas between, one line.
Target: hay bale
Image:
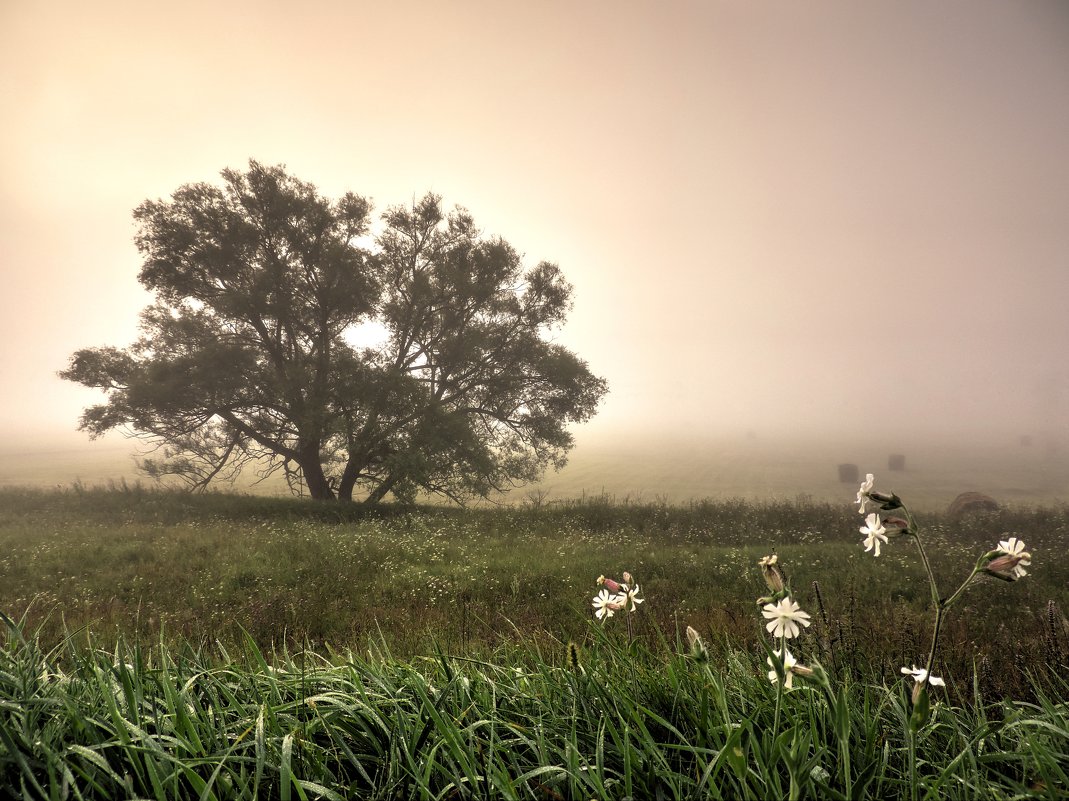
[(896, 461), (849, 474), (971, 502)]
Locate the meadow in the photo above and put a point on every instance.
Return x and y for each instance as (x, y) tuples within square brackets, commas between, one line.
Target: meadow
[(226, 646)]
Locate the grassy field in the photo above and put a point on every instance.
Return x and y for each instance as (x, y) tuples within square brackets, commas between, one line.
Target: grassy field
[(240, 647)]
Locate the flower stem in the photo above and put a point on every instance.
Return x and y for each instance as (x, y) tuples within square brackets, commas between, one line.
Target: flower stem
[(911, 737), (948, 601), (781, 682), (924, 556), (939, 607)]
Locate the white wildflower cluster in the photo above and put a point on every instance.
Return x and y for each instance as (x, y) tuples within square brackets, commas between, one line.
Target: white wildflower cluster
[(877, 529), (786, 620), (1007, 562), (616, 596)]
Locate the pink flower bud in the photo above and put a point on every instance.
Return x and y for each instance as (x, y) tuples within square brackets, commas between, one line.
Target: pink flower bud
[(1005, 566), (609, 584)]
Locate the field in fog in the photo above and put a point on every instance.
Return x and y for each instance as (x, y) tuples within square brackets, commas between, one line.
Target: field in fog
[(646, 469), (226, 646)]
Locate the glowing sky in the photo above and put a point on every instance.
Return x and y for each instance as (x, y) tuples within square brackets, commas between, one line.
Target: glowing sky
[(776, 215)]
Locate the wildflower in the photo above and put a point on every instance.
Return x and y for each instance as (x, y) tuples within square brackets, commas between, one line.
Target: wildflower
[(605, 605), (1010, 561), (626, 591), (630, 594), (919, 675), (863, 492), (791, 668), (788, 662), (875, 531), (772, 573), (866, 495), (784, 618), (1012, 546)]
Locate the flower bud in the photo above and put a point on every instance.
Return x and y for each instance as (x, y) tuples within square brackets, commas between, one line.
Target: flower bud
[(693, 637), (609, 584), (895, 527), (772, 574), (697, 647), (886, 501), (1005, 566), (628, 579)]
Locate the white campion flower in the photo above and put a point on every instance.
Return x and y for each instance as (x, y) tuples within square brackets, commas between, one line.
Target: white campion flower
[(1012, 561), (606, 605), (631, 596), (919, 674), (863, 492), (788, 663), (785, 618), (874, 531)]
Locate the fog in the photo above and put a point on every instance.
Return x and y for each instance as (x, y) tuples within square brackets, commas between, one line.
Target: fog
[(785, 223)]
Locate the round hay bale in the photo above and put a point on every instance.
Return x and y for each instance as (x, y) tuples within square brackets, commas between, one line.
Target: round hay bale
[(971, 502)]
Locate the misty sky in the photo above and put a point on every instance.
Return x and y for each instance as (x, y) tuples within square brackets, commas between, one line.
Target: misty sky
[(777, 216)]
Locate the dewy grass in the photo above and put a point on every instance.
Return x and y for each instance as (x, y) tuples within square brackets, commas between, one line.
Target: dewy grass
[(161, 723), (206, 568), (616, 713)]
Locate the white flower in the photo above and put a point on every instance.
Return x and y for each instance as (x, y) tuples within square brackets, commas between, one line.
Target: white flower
[(918, 675), (784, 618), (1015, 561), (1012, 546), (863, 493), (788, 663), (874, 530), (631, 597), (605, 605)]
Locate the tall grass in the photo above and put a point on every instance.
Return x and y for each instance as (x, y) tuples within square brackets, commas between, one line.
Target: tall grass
[(167, 646), (167, 722), (201, 569)]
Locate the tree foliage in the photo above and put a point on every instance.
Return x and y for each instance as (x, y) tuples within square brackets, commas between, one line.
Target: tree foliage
[(250, 351)]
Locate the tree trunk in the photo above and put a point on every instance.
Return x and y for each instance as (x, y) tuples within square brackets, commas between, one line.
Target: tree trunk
[(380, 491), (348, 478), (314, 479)]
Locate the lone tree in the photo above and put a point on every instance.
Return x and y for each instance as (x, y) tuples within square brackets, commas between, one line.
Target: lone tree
[(250, 352)]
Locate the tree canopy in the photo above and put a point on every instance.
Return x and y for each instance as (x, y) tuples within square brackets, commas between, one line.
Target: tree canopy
[(251, 353)]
